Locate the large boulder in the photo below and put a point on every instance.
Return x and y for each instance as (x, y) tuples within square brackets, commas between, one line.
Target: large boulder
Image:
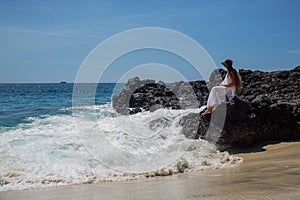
[(138, 95)]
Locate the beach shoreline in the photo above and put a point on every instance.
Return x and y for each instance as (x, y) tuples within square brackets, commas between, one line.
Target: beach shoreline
[(268, 172)]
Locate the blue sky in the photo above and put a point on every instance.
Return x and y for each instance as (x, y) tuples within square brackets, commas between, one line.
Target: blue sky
[(46, 41)]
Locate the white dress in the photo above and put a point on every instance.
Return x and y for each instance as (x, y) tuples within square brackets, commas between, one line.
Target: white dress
[(218, 94)]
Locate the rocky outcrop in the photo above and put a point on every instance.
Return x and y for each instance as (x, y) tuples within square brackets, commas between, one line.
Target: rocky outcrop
[(139, 95), (265, 109), (246, 124), (271, 87), (148, 95)]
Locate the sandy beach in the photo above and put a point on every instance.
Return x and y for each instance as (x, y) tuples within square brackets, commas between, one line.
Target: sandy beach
[(267, 172)]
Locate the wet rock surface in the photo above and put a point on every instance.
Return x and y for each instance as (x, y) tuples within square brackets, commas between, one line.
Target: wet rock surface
[(266, 108)]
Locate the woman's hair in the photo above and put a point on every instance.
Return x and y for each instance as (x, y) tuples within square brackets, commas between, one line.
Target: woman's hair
[(236, 78)]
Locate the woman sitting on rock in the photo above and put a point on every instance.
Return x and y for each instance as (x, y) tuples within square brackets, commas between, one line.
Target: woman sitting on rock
[(227, 88)]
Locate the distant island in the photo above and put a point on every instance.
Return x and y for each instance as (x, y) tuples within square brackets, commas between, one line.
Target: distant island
[(63, 82)]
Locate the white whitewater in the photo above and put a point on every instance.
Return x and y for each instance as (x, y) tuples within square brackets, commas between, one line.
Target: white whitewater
[(96, 144)]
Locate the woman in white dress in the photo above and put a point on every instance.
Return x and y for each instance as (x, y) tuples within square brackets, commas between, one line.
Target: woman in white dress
[(227, 88)]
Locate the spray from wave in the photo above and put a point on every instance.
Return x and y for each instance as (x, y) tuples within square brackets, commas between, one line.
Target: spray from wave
[(97, 145)]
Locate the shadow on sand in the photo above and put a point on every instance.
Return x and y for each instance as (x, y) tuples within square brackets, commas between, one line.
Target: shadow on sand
[(256, 148)]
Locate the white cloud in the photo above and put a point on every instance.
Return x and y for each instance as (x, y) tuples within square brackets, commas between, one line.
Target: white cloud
[(26, 30), (293, 51)]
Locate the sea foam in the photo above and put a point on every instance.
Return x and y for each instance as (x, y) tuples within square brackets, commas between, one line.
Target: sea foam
[(96, 144)]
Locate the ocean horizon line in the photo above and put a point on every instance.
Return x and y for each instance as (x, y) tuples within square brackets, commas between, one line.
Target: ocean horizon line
[(94, 83), (191, 80)]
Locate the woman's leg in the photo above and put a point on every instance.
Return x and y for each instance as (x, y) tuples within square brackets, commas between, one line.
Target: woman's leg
[(216, 95), (214, 107)]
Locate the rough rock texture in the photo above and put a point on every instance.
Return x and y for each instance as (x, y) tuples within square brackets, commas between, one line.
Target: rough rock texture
[(265, 109), (147, 95)]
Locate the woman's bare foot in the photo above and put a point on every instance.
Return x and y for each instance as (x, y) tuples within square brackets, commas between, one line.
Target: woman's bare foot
[(207, 112)]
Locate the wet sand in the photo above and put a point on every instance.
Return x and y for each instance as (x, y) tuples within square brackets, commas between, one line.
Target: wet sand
[(270, 174)]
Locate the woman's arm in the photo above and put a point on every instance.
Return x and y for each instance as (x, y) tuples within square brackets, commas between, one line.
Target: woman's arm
[(232, 81), (227, 85)]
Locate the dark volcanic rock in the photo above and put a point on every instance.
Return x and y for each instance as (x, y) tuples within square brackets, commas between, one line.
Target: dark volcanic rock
[(147, 95), (255, 123), (144, 95), (278, 86), (194, 125), (269, 110), (245, 124), (265, 109)]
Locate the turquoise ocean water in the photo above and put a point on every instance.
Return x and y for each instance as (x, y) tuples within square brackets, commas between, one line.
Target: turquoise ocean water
[(19, 102)]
